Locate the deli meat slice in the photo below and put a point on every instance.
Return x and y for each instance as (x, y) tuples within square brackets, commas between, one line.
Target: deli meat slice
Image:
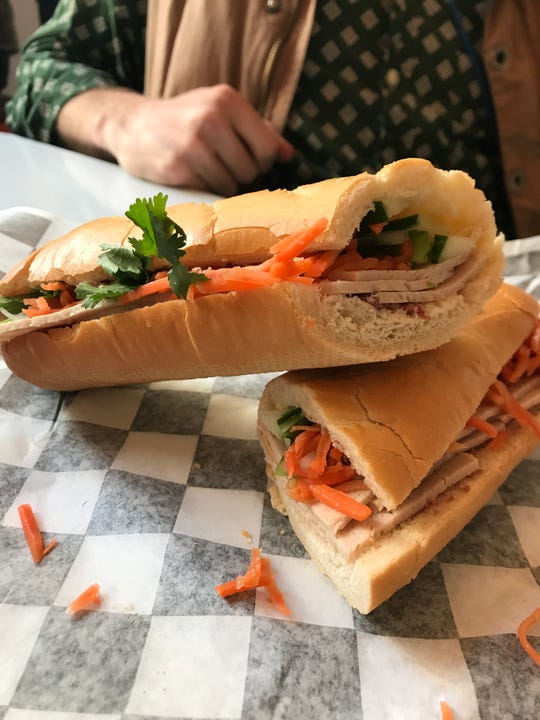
[(386, 289), (355, 536)]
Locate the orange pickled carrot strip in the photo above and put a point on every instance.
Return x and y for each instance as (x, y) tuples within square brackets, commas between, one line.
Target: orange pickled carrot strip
[(322, 263), (32, 534), (512, 406), (66, 297), (341, 502), (446, 711), (523, 629), (335, 475), (522, 361), (499, 441), (89, 599), (324, 442), (160, 285), (352, 486), (289, 247), (37, 306), (258, 574), (243, 582), (277, 598), (377, 228), (227, 588), (52, 286), (483, 425)]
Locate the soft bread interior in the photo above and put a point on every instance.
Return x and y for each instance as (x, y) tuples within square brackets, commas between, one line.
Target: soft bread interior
[(395, 420)]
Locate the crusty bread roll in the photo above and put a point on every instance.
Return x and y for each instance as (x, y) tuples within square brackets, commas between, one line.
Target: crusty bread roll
[(397, 423), (279, 327)]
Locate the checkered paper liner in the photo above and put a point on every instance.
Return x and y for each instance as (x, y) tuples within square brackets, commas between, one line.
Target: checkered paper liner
[(157, 492)]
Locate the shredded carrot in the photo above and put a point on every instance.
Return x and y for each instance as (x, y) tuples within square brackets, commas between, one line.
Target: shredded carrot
[(37, 306), (341, 502), (446, 711), (320, 263), (501, 396), (483, 425), (289, 247), (312, 461), (258, 574), (52, 286), (377, 227), (525, 360), (523, 629), (161, 285), (32, 534), (499, 441), (349, 486), (89, 599)]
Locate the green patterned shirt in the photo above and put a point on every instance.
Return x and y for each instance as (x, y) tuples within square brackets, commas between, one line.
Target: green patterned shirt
[(382, 80)]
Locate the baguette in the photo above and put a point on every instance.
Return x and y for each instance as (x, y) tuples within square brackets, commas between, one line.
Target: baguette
[(403, 427), (336, 319)]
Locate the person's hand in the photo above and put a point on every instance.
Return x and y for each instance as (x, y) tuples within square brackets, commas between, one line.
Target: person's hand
[(208, 138)]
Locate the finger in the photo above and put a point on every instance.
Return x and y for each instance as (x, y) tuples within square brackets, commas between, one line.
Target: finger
[(261, 138), (211, 169), (235, 156)]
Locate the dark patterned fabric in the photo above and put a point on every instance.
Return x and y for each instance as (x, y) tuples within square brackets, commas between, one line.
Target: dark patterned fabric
[(393, 79)]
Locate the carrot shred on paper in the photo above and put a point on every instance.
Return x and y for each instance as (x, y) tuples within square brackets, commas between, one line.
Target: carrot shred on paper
[(258, 574), (523, 629), (32, 533), (446, 711), (89, 599)]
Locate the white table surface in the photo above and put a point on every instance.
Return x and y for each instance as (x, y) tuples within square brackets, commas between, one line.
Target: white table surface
[(71, 185)]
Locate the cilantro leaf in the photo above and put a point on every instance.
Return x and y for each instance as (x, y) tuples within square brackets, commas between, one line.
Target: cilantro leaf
[(91, 295), (164, 238), (12, 305), (122, 262), (180, 278), (129, 265)]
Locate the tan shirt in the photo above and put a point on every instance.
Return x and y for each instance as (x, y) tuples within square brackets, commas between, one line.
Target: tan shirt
[(263, 58)]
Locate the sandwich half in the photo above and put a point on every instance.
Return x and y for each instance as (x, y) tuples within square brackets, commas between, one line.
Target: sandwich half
[(348, 270), (379, 466)]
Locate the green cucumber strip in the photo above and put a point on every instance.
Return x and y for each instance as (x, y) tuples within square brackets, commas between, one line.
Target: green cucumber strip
[(439, 242), (421, 247), (375, 216), (403, 223), (289, 420)]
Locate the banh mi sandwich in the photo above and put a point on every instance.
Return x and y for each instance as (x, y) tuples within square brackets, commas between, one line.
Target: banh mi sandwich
[(379, 466), (348, 270)]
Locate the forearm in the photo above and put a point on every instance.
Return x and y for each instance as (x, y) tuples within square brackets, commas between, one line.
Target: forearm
[(92, 121)]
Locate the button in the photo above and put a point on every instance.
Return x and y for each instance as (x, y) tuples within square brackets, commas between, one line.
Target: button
[(273, 6), (392, 77), (500, 58), (515, 182)]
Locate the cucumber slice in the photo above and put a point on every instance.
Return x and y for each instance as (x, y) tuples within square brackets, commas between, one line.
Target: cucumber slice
[(439, 242), (377, 215), (421, 247), (397, 237), (403, 223), (456, 245)]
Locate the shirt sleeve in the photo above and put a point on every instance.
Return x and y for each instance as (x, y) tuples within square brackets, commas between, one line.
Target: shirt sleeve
[(86, 44)]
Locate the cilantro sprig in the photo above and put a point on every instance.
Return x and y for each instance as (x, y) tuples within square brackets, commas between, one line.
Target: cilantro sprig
[(164, 238), (129, 265)]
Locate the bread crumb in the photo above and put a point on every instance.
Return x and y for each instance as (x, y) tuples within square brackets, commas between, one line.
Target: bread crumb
[(247, 535)]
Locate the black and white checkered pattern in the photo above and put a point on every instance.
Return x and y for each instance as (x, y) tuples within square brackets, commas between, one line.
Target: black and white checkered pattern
[(157, 492)]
